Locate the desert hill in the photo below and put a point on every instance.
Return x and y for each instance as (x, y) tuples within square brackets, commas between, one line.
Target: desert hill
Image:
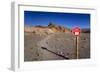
[(51, 28)]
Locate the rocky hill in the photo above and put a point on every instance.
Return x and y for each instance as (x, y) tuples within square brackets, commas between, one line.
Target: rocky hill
[(51, 28)]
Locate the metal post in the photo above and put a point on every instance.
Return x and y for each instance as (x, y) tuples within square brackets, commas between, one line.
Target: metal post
[(77, 46)]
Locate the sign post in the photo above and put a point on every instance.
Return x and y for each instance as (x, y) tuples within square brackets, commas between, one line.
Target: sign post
[(76, 32)]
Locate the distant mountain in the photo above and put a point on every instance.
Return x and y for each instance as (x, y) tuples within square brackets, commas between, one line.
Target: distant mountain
[(85, 30)]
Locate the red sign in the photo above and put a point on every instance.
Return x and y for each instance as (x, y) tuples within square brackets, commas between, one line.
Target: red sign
[(76, 31)]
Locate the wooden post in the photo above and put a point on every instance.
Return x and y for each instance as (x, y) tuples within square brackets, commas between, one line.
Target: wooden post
[(77, 47)]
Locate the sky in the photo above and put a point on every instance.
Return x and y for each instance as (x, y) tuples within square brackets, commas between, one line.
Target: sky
[(69, 20)]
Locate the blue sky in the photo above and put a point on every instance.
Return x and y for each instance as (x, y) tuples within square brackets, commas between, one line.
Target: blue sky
[(69, 20)]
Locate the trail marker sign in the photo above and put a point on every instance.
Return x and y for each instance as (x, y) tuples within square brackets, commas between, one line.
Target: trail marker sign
[(76, 31)]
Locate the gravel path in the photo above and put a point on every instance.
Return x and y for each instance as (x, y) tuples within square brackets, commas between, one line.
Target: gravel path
[(60, 43)]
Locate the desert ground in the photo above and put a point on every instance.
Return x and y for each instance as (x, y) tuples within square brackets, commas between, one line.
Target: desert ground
[(54, 43)]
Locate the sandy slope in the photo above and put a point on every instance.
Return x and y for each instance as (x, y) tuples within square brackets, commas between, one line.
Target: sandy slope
[(60, 43)]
